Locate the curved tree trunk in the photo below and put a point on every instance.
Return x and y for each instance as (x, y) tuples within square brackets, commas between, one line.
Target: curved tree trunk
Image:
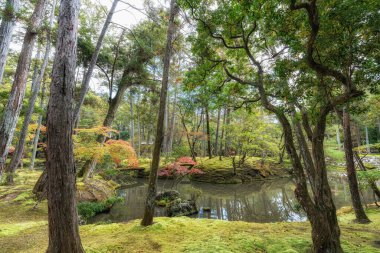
[(12, 110), (6, 30), (62, 208), (151, 195), (17, 156)]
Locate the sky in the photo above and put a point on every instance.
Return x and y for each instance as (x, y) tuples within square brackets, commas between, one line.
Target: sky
[(126, 15)]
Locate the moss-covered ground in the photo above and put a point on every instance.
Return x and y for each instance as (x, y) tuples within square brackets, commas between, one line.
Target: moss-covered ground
[(23, 229), (220, 171)]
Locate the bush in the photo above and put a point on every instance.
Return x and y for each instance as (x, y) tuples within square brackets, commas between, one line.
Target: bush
[(89, 209)]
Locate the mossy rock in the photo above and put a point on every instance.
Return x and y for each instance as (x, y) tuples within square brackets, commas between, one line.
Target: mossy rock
[(369, 166), (96, 189), (179, 207)]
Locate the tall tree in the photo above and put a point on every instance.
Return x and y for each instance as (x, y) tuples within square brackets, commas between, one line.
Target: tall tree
[(151, 194), (350, 167), (12, 110), (245, 46), (349, 86), (8, 23), (94, 58), (62, 207), (17, 155)]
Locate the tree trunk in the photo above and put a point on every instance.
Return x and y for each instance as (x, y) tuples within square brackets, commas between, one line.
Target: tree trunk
[(170, 134), (358, 135), (11, 112), (35, 142), (217, 132), (138, 136), (338, 137), (94, 58), (8, 23), (166, 128), (208, 133), (367, 140), (227, 136), (351, 172), (62, 208), (321, 212), (38, 130), (17, 156), (132, 122), (151, 195), (191, 147), (222, 136)]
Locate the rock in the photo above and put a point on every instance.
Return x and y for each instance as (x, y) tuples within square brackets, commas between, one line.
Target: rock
[(371, 160), (175, 206), (180, 207), (168, 195), (95, 190)]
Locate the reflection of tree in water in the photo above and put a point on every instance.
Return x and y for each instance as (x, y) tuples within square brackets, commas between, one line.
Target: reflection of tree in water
[(259, 201)]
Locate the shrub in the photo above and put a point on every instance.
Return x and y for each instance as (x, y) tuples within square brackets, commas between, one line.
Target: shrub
[(177, 171), (89, 209)]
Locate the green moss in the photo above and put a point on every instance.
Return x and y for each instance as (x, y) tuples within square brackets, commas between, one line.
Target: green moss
[(184, 234), (334, 154), (89, 209), (15, 228), (23, 229), (24, 196), (336, 168)]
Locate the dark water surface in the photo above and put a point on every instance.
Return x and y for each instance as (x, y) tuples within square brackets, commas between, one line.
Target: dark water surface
[(259, 201)]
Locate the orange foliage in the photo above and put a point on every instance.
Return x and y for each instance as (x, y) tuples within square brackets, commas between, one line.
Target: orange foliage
[(122, 153)]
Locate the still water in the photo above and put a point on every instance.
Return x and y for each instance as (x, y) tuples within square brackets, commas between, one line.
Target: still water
[(259, 201)]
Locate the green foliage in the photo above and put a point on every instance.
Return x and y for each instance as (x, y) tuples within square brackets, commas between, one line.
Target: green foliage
[(180, 151), (332, 151), (89, 209), (254, 134), (369, 176)]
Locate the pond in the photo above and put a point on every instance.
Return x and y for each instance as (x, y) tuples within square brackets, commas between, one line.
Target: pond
[(259, 201)]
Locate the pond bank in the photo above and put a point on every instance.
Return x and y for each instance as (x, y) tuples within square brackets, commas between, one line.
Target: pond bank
[(23, 229), (218, 171)]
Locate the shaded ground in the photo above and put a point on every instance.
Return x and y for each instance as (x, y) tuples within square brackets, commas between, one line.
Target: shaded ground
[(25, 230)]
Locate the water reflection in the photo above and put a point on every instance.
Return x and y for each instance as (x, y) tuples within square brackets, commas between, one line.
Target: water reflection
[(259, 201)]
